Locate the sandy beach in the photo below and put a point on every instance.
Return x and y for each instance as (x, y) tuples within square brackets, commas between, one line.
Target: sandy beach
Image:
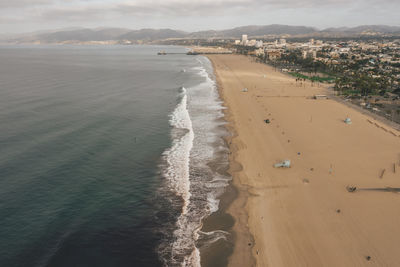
[(304, 215)]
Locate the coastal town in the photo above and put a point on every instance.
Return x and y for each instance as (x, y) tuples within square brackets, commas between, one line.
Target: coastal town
[(363, 71), (379, 60)]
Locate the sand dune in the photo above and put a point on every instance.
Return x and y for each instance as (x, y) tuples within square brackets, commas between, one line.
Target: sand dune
[(304, 216)]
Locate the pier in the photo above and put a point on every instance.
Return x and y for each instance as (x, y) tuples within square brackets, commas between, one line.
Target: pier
[(208, 52), (163, 53), (199, 51)]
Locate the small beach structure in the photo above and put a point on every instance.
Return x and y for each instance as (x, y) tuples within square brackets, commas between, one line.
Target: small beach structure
[(245, 90), (284, 164), (351, 189), (347, 120), (319, 97)]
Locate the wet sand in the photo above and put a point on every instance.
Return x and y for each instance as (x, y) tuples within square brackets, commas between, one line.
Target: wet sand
[(304, 216)]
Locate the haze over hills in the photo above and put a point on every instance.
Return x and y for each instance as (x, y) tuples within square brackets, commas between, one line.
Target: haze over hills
[(366, 28), (77, 35), (256, 30), (153, 34)]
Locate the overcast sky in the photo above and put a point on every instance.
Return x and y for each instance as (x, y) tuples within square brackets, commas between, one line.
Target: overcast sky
[(192, 15)]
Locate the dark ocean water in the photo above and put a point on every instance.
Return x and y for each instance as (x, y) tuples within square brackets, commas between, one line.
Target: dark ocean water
[(86, 140)]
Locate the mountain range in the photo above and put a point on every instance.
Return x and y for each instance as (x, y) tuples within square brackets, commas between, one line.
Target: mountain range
[(151, 35)]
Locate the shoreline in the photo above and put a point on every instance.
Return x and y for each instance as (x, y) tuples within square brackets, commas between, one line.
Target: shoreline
[(234, 200), (243, 239), (304, 216)]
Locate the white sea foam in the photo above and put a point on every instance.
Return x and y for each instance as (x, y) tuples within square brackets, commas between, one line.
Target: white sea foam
[(213, 202), (177, 173), (177, 157), (196, 142), (214, 236)]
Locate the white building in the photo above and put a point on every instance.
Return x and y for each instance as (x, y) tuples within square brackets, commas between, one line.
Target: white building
[(260, 52), (252, 42), (244, 39)]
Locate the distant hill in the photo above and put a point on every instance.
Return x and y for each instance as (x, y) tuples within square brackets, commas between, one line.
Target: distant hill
[(82, 35), (365, 28), (103, 34), (79, 35), (257, 30), (151, 35)]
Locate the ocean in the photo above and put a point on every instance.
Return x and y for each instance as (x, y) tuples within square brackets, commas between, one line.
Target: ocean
[(110, 156)]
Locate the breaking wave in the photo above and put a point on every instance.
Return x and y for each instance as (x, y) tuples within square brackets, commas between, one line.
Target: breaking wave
[(197, 142)]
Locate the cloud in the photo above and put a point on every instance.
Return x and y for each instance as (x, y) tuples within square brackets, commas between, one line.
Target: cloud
[(209, 7), (183, 7), (73, 14), (24, 3), (80, 10), (83, 10), (104, 12)]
